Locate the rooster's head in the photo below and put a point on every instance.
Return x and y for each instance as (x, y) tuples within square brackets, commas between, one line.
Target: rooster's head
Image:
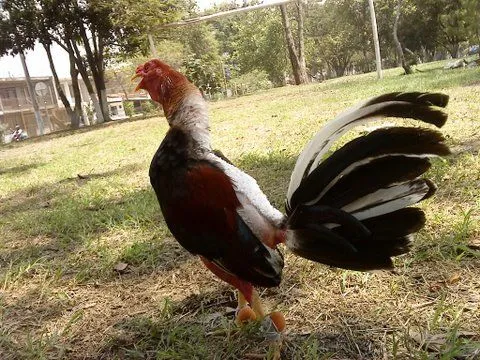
[(164, 84)]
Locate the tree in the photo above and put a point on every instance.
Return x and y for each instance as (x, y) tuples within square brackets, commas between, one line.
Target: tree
[(335, 33), (398, 45), (296, 51), (64, 32), (255, 41), (41, 24), (18, 36), (472, 13), (203, 63), (419, 27), (454, 27), (143, 19), (119, 26)]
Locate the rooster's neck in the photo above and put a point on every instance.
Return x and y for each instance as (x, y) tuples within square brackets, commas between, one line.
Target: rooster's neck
[(191, 116)]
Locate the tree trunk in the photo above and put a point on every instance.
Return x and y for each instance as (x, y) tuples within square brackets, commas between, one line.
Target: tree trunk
[(95, 60), (301, 41), (31, 90), (299, 69), (101, 80), (339, 71), (76, 91), (74, 118), (338, 67), (86, 80), (454, 49), (398, 45)]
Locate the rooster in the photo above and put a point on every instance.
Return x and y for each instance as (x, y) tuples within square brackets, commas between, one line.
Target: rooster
[(350, 210)]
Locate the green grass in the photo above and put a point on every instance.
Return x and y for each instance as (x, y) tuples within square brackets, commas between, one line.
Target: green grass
[(62, 234)]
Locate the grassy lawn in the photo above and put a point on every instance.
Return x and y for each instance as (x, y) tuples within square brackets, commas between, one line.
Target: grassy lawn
[(76, 208)]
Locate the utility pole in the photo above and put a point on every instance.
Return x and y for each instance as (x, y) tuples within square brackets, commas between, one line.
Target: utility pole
[(375, 39), (31, 91)]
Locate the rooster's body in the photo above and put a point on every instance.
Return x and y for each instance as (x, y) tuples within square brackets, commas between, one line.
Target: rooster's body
[(350, 210)]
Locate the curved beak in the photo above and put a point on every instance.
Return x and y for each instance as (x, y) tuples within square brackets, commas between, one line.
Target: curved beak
[(137, 75), (140, 84)]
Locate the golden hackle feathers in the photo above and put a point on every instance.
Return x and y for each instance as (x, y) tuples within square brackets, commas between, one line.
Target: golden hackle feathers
[(164, 84)]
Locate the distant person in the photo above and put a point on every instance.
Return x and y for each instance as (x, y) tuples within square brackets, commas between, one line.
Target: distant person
[(19, 134)]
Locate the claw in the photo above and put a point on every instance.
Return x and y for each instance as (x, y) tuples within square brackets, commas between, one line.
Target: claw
[(278, 321), (244, 315)]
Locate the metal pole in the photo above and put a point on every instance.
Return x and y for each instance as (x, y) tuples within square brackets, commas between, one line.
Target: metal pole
[(31, 90), (375, 39), (225, 13)]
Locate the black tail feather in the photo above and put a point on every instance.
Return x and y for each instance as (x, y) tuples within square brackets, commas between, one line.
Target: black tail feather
[(390, 236), (419, 98), (319, 247), (398, 140), (377, 174), (411, 111), (305, 215), (352, 210)]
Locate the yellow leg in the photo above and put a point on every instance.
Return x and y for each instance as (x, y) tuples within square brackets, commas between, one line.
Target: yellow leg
[(241, 300), (244, 312), (257, 305)]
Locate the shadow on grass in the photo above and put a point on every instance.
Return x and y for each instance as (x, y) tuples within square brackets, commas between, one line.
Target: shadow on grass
[(161, 256), (75, 235), (46, 224), (201, 327), (44, 196), (18, 170), (83, 238), (58, 221), (470, 146)]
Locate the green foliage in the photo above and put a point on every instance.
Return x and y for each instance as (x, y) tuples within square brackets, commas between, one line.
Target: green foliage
[(172, 52), (472, 17), (338, 38), (250, 82), (204, 74), (6, 38), (256, 42), (418, 27), (18, 29), (129, 108), (338, 30), (126, 22), (430, 24), (454, 26), (195, 49), (149, 108)]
